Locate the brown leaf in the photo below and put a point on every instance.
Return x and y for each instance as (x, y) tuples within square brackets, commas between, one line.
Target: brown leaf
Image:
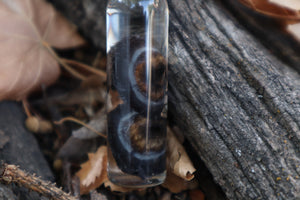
[(291, 4), (115, 188), (179, 162), (180, 170), (196, 195), (270, 9), (81, 96), (98, 123), (93, 172), (27, 29), (176, 184), (294, 29)]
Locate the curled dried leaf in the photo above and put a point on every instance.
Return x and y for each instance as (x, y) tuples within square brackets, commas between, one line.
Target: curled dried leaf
[(294, 29), (180, 170), (176, 184), (115, 188), (179, 162), (273, 10), (291, 4), (196, 195)]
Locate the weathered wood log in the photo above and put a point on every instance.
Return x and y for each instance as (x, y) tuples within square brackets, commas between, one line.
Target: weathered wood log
[(238, 104)]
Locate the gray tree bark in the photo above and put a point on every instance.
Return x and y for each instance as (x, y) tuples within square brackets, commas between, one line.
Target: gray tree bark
[(19, 147), (238, 104)]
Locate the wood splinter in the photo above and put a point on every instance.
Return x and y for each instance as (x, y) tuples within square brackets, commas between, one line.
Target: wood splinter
[(12, 174)]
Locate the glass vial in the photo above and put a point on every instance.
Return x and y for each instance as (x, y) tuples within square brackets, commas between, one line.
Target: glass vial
[(137, 49)]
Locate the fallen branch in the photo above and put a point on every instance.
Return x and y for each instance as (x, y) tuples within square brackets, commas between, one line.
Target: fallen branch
[(12, 174)]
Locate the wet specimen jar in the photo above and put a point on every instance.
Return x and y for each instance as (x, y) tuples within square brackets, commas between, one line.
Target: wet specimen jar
[(137, 51)]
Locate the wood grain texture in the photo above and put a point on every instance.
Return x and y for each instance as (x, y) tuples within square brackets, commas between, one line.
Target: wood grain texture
[(238, 104)]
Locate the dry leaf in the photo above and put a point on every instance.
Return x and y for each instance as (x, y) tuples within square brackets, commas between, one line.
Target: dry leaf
[(180, 170), (76, 155), (98, 123), (294, 29), (115, 188), (176, 184), (93, 172), (82, 96), (27, 28), (287, 12), (270, 9), (179, 162), (196, 195), (291, 4)]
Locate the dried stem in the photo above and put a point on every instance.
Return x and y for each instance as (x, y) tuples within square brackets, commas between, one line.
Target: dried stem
[(72, 119), (86, 67), (65, 63), (60, 61), (12, 174), (26, 107)]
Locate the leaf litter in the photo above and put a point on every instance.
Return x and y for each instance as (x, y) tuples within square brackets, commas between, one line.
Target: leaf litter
[(93, 174), (180, 169)]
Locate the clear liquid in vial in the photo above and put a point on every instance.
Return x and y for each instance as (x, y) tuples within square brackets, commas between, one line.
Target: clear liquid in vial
[(137, 47)]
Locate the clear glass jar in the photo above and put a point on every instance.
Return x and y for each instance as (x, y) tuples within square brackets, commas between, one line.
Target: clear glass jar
[(137, 52)]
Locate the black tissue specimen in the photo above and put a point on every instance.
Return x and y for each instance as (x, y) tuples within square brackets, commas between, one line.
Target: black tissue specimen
[(139, 77), (128, 146), (130, 76)]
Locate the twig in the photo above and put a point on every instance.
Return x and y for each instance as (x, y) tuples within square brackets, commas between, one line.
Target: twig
[(60, 61), (12, 174), (72, 119), (26, 107), (86, 67)]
